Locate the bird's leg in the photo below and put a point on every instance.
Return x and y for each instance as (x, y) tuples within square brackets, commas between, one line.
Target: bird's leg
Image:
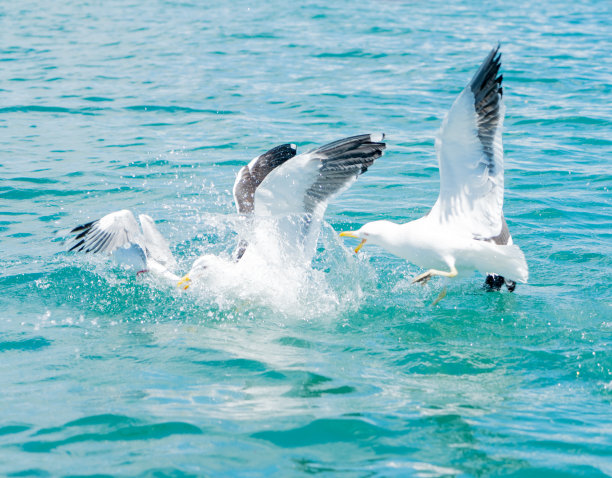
[(441, 296), (425, 276)]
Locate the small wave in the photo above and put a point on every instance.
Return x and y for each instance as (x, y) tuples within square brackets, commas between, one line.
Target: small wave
[(176, 109), (356, 53), (13, 429), (326, 430), (154, 431), (48, 109), (21, 194), (24, 345), (97, 99), (35, 180), (577, 120), (107, 419), (519, 79)]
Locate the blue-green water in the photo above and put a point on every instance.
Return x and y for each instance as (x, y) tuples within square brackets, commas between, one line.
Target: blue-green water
[(154, 106)]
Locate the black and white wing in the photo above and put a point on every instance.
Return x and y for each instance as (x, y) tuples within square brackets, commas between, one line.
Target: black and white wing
[(119, 235), (470, 156), (115, 230), (251, 176), (305, 183)]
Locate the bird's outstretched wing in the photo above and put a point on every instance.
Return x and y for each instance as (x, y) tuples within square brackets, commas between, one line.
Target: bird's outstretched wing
[(115, 230), (304, 184), (156, 246), (470, 155), (251, 176)]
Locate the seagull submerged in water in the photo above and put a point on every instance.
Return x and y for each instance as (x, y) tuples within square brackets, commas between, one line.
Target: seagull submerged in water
[(285, 197), (281, 194), (466, 229)]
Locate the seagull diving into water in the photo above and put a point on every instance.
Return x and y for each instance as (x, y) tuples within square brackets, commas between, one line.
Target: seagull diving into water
[(466, 229), (286, 196), (279, 188), (143, 249)]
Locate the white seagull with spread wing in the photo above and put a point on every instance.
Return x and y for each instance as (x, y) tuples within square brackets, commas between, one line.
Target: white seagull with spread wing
[(465, 230)]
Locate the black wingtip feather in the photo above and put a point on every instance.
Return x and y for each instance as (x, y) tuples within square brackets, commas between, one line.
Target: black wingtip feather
[(82, 234), (488, 71), (280, 154), (351, 143), (341, 162), (83, 230), (486, 86), (77, 245), (83, 226)]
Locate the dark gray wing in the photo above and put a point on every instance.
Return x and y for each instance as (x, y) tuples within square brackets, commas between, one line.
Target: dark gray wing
[(486, 86), (252, 175), (341, 163), (305, 183)]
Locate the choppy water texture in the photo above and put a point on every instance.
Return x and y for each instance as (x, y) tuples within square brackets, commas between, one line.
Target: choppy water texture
[(349, 371)]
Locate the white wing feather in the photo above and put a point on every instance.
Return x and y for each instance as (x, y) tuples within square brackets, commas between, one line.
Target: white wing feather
[(470, 156), (283, 190), (115, 230), (156, 245)]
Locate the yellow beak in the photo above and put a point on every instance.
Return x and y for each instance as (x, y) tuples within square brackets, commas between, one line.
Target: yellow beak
[(352, 234), (184, 280)]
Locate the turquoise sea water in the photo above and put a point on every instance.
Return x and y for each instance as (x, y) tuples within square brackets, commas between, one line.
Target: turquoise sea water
[(154, 106)]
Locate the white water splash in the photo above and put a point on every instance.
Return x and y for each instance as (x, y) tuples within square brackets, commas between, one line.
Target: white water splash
[(279, 275)]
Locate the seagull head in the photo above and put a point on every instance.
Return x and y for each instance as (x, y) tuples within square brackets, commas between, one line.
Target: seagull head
[(375, 232), (198, 269)]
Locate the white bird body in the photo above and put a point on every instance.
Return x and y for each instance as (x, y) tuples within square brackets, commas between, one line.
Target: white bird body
[(432, 246)]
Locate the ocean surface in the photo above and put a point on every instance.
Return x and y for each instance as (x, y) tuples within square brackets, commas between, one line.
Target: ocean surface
[(348, 371)]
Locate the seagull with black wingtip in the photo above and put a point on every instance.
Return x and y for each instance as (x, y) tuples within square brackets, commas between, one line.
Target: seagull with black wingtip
[(286, 199), (466, 229)]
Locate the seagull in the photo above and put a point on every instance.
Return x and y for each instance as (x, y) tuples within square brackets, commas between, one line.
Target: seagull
[(117, 234), (285, 195), (466, 229)]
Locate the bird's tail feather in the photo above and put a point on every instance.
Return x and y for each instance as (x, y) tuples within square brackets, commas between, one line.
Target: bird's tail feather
[(509, 261)]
